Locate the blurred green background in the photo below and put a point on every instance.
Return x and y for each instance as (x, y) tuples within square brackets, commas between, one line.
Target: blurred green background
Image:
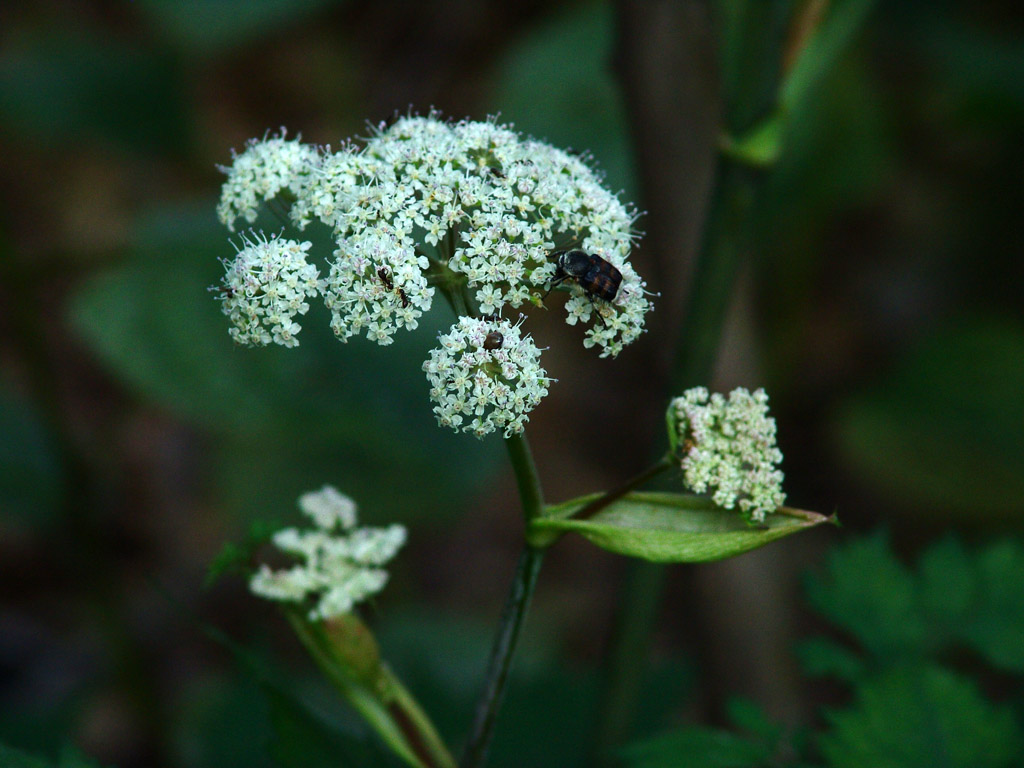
[(881, 305)]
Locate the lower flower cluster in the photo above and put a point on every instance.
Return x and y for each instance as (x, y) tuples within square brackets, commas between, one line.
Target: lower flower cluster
[(485, 377), (339, 563)]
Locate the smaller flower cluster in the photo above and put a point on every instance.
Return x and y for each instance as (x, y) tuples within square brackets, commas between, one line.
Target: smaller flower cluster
[(260, 173), (340, 562), (729, 445), (264, 287), (485, 377)]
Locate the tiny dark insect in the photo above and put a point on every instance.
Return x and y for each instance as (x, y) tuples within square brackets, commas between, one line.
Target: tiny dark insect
[(494, 340), (403, 297), (599, 278), (385, 277)]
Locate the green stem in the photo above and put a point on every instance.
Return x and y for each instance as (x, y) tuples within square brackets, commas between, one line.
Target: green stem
[(531, 498), (501, 656), (350, 660)]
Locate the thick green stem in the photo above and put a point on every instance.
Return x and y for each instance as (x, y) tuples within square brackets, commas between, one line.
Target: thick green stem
[(531, 498)]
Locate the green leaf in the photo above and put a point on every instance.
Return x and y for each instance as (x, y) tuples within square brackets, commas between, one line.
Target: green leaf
[(867, 591), (760, 147), (916, 717), (669, 527), (758, 744), (821, 657), (955, 598), (996, 626)]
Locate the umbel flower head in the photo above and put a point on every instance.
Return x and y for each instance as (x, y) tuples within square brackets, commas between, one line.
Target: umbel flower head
[(264, 287), (260, 173), (339, 563), (485, 377), (471, 209), (729, 445)]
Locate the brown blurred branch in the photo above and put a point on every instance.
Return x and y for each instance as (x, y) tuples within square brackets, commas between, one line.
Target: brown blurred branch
[(668, 70)]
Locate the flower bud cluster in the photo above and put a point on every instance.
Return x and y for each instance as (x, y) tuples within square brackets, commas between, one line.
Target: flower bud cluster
[(729, 445), (340, 563), (264, 287), (485, 377)]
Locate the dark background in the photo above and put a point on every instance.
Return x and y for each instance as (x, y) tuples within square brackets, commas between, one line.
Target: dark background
[(880, 304)]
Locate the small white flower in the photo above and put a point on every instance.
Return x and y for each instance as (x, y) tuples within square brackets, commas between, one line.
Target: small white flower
[(729, 446), (260, 172), (485, 377), (340, 563), (264, 287)]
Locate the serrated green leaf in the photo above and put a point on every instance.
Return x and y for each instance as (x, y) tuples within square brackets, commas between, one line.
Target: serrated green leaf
[(669, 527), (821, 657), (954, 598), (997, 626), (757, 744), (868, 592), (915, 717)]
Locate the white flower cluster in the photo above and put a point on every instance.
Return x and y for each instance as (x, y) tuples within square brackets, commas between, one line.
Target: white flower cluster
[(340, 562), (264, 287), (474, 198), (470, 208), (729, 445), (264, 169), (485, 377)]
